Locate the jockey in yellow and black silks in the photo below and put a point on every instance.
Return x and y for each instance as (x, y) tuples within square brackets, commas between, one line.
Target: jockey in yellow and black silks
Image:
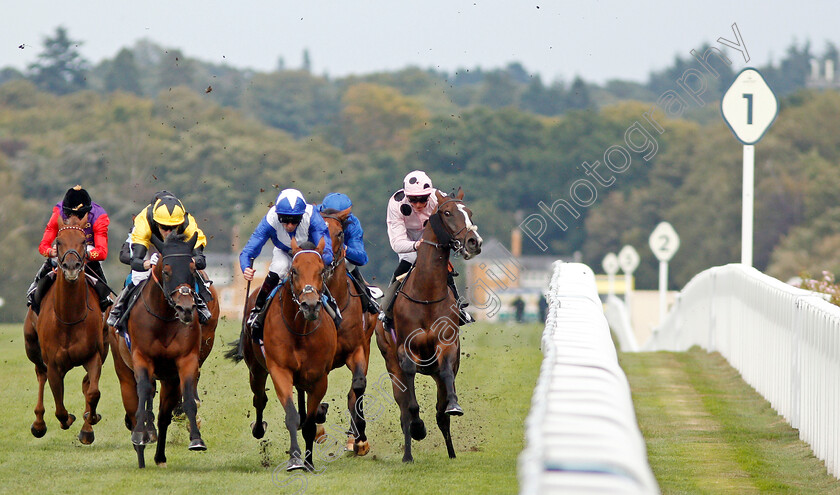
[(165, 215)]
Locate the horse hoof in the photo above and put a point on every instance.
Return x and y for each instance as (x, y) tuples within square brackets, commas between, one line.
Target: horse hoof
[(295, 464), (70, 420), (418, 430), (38, 432), (128, 424), (161, 464), (139, 438), (95, 419), (258, 432), (408, 459), (351, 442), (197, 445), (454, 410), (86, 437), (320, 434), (361, 448), (151, 436)]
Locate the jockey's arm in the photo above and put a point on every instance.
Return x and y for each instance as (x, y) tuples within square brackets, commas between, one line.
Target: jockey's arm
[(255, 243), (140, 237), (354, 240), (50, 233), (318, 230), (100, 238), (397, 233), (192, 229)]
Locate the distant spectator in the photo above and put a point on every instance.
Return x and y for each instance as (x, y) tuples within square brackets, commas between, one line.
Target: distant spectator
[(543, 305), (519, 309)]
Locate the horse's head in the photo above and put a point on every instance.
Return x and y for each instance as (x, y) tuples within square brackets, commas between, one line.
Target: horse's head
[(335, 220), (306, 277), (71, 247), (175, 273), (457, 230)]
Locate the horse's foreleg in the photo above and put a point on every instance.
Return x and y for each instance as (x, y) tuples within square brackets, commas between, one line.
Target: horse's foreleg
[(128, 385), (144, 428), (309, 425), (187, 371), (355, 398), (168, 400), (409, 369), (282, 379), (258, 377), (56, 378), (33, 352), (90, 388), (447, 376), (403, 399), (442, 417)]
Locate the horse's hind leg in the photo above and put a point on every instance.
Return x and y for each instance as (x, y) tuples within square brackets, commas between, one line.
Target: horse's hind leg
[(258, 378), (90, 387), (168, 399), (56, 378), (128, 387), (442, 416), (404, 399), (33, 352), (187, 370)]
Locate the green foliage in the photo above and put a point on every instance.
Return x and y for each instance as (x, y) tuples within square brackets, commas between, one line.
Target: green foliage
[(60, 68), (123, 74)]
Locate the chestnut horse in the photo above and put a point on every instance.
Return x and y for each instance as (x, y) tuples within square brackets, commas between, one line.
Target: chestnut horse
[(167, 343), (69, 332), (425, 337), (299, 349), (354, 334)]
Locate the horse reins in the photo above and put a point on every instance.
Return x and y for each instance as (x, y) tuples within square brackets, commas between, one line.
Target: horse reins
[(83, 260), (168, 296), (307, 289)]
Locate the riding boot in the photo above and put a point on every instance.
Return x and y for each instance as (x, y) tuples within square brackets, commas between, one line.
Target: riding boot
[(463, 317), (202, 309), (30, 292), (41, 290), (257, 317), (103, 291), (366, 291), (331, 306), (116, 313)]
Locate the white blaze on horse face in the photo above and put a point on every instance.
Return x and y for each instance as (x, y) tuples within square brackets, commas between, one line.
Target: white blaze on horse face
[(470, 225)]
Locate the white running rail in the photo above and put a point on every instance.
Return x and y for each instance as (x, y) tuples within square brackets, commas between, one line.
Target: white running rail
[(581, 434), (784, 341)]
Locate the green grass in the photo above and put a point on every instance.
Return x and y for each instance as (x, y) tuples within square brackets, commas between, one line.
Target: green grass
[(498, 372), (707, 431)]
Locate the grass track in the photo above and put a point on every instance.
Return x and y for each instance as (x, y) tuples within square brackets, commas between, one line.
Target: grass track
[(708, 432), (498, 372)]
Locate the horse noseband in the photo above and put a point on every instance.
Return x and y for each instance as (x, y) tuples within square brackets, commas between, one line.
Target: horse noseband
[(184, 290)]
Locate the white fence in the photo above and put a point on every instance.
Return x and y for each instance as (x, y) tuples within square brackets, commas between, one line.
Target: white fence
[(784, 341), (581, 434)]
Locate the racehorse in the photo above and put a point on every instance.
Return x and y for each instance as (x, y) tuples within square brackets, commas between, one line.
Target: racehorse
[(354, 333), (167, 343), (299, 349), (425, 337), (69, 332)]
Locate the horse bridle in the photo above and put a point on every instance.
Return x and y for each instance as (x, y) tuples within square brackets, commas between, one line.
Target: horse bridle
[(307, 289), (82, 258), (185, 290), (336, 259), (447, 240)]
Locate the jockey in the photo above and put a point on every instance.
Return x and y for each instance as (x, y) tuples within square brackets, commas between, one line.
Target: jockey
[(76, 203), (166, 214), (408, 210), (354, 244), (290, 217)]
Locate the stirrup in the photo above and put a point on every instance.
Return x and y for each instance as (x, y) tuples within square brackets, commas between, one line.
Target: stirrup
[(375, 292), (252, 317), (113, 317)]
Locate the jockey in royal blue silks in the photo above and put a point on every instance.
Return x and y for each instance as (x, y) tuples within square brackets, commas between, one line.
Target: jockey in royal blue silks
[(338, 205), (290, 217)]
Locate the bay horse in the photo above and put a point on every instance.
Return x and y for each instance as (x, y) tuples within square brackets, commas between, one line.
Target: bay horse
[(299, 341), (425, 337), (166, 343), (354, 333), (69, 332)]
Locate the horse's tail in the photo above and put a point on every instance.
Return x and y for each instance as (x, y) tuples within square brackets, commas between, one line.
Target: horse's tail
[(236, 353)]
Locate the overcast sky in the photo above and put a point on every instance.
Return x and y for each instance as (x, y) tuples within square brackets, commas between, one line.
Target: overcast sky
[(598, 40)]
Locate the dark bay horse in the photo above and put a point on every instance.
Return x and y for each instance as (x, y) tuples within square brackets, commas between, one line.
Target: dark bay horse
[(426, 337), (300, 343), (69, 332), (167, 344), (354, 334)]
